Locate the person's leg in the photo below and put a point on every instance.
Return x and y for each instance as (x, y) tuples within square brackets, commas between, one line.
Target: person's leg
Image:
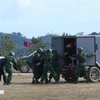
[(53, 73), (57, 70), (34, 73), (4, 76), (46, 80), (50, 77), (79, 69), (44, 75), (9, 78), (86, 73)]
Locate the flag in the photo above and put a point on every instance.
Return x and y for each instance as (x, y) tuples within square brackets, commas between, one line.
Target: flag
[(27, 44)]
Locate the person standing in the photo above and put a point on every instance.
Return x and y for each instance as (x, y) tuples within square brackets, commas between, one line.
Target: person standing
[(2, 71), (42, 63), (10, 61), (81, 57), (36, 66), (55, 64), (48, 67)]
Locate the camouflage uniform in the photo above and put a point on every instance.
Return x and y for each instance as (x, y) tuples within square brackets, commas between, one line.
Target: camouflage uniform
[(55, 64), (42, 63), (48, 67), (9, 62), (35, 67), (81, 57)]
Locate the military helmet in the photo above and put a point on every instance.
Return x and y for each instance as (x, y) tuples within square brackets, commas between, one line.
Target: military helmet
[(11, 54), (39, 50), (49, 51), (80, 49)]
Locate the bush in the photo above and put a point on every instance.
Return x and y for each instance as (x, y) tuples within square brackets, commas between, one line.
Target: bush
[(20, 63)]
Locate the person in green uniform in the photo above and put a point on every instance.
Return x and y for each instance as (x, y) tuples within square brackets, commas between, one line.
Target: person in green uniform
[(48, 67), (82, 65), (55, 64), (42, 63), (36, 65), (10, 61)]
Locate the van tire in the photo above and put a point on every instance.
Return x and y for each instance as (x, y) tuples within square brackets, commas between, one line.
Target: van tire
[(25, 68), (94, 74)]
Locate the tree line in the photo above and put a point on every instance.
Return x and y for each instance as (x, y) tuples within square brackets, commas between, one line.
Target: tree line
[(14, 42)]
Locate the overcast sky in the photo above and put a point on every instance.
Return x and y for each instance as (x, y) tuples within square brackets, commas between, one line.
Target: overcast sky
[(38, 17)]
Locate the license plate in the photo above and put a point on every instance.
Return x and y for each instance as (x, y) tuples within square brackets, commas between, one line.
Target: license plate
[(64, 69)]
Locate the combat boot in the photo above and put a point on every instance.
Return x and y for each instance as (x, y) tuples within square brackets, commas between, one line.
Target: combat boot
[(76, 82), (37, 82), (87, 81), (49, 80), (8, 83), (57, 82), (33, 81), (46, 81), (41, 82)]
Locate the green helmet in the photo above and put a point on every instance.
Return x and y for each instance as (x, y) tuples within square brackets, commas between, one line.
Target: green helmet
[(39, 50), (80, 49), (49, 51), (11, 54)]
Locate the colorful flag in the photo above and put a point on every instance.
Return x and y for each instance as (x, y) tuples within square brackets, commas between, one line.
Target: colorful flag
[(27, 44)]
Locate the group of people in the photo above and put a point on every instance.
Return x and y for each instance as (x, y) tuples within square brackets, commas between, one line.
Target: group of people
[(45, 61), (48, 60), (6, 64)]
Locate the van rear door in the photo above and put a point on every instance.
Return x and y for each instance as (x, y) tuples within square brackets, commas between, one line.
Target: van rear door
[(88, 45), (57, 43)]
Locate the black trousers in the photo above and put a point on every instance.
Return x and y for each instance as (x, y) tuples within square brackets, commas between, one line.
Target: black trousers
[(2, 72)]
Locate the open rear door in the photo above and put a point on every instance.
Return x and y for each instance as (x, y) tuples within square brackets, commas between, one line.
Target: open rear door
[(88, 45), (57, 43)]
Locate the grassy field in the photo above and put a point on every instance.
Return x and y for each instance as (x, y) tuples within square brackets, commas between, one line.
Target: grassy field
[(22, 89)]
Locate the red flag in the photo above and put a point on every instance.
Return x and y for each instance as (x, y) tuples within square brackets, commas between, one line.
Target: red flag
[(27, 44)]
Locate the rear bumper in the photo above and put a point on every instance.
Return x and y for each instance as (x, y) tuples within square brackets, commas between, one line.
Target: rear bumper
[(68, 72)]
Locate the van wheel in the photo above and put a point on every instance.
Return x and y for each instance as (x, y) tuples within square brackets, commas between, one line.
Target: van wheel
[(25, 68), (94, 74)]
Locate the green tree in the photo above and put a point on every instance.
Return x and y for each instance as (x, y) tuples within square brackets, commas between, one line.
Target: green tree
[(36, 43), (94, 33), (6, 45)]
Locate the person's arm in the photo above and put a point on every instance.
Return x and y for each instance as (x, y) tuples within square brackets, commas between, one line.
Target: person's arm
[(15, 63), (90, 55)]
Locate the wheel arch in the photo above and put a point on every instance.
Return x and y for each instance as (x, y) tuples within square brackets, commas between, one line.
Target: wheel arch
[(29, 64)]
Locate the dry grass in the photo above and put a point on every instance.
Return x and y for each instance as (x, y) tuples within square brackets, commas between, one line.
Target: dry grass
[(22, 89)]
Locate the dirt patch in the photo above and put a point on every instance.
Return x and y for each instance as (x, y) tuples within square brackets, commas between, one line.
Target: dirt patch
[(22, 89)]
